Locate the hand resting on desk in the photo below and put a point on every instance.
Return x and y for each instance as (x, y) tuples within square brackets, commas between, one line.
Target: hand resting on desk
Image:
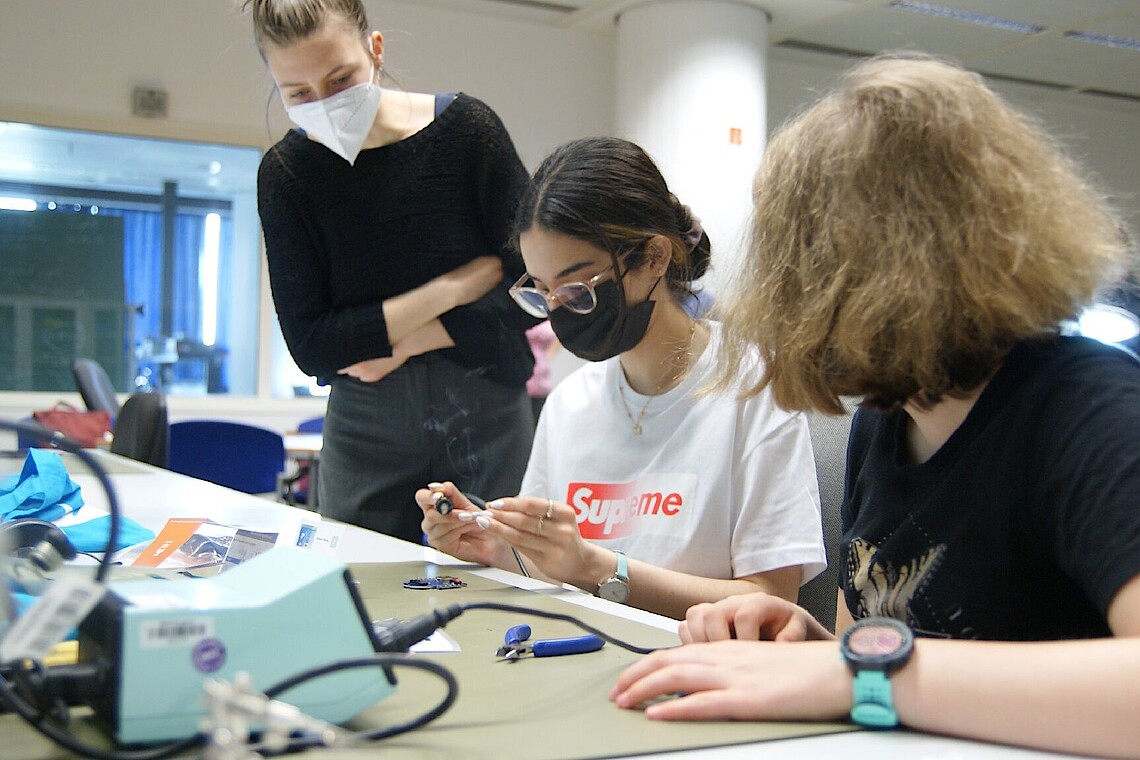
[(750, 617), (739, 680)]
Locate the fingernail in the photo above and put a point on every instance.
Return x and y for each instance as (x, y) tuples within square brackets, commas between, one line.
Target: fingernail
[(483, 522), (465, 516), (496, 504), (435, 486)]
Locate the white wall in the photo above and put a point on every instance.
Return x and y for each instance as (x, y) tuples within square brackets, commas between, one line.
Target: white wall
[(1102, 132), (73, 63)]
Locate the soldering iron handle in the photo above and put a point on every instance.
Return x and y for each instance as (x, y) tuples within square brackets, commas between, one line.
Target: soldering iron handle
[(400, 638), (444, 506)]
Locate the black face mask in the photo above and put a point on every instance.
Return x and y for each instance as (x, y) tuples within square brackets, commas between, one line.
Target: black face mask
[(612, 328)]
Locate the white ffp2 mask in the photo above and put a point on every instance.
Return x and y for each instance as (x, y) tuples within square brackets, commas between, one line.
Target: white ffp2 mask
[(340, 122)]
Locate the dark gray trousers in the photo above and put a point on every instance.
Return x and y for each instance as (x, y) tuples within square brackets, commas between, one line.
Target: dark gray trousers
[(430, 420)]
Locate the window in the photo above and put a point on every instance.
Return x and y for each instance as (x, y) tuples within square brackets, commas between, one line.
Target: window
[(140, 253)]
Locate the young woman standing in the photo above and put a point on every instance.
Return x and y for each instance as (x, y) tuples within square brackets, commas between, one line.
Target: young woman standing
[(387, 219)]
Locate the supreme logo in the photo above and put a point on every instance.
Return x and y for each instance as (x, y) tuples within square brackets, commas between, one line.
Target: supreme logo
[(611, 510)]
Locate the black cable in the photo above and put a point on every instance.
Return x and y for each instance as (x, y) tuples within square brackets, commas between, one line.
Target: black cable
[(62, 442), (37, 720), (35, 717), (400, 637), (397, 639), (565, 618), (380, 660)]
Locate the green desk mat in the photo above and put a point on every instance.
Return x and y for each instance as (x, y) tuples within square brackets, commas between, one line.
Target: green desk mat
[(535, 708), (532, 709)]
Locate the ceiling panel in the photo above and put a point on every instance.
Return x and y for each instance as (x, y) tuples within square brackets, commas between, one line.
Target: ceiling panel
[(887, 29), (1043, 12), (865, 27), (1122, 25), (1069, 63)]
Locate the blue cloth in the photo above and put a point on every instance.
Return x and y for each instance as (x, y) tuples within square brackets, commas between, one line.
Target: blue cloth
[(43, 489), (91, 536)]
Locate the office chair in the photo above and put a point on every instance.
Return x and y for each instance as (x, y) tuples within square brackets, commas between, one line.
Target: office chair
[(142, 431), (313, 425), (232, 454), (95, 386), (26, 440), (829, 443)]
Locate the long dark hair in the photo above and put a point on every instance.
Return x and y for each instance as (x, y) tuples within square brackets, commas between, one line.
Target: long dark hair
[(608, 192)]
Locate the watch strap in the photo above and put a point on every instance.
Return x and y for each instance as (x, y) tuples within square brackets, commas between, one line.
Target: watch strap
[(622, 572), (616, 587), (872, 705)]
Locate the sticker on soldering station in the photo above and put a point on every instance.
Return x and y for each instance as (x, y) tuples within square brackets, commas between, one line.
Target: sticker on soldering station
[(47, 622), (174, 632), (209, 655)]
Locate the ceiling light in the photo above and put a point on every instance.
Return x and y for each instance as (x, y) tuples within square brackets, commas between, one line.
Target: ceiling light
[(1105, 39), (981, 19), (17, 204)]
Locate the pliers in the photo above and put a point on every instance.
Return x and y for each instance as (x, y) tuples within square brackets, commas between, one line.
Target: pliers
[(513, 646)]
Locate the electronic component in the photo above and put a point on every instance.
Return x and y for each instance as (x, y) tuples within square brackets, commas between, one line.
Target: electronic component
[(437, 583)]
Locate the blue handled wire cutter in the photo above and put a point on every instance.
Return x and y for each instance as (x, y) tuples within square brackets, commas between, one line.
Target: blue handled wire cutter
[(515, 646)]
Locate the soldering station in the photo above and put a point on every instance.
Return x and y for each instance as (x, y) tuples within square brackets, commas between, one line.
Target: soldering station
[(272, 655)]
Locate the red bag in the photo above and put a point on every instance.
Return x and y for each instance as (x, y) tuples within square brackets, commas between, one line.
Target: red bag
[(88, 429)]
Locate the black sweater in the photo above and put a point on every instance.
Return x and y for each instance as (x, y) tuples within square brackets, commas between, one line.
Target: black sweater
[(343, 238)]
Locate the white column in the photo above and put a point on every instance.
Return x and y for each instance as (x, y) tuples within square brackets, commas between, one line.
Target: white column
[(691, 90)]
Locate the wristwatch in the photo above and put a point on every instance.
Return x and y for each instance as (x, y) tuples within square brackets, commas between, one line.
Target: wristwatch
[(875, 647), (616, 588)]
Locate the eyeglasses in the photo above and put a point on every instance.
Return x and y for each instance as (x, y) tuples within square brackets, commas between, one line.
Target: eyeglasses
[(578, 297)]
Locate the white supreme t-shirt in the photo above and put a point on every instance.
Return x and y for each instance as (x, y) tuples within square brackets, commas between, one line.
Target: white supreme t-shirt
[(713, 486)]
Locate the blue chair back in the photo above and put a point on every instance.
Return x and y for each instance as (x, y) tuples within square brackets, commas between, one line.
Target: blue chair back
[(26, 440), (314, 425), (232, 454)]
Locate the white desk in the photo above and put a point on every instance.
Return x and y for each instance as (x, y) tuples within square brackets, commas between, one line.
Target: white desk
[(151, 495)]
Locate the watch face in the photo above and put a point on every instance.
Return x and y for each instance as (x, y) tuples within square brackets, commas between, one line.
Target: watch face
[(875, 641), (877, 644), (614, 590)]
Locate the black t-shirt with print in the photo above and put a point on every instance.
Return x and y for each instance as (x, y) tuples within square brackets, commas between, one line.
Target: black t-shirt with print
[(1025, 524)]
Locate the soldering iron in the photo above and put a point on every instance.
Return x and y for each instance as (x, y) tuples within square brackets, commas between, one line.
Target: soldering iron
[(444, 506)]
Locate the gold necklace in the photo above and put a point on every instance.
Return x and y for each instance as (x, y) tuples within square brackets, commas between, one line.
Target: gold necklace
[(674, 377)]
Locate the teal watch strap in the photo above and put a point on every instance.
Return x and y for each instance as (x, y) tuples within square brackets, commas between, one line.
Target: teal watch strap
[(871, 700), (622, 566)]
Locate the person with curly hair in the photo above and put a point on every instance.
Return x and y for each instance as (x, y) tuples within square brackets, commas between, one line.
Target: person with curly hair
[(919, 244)]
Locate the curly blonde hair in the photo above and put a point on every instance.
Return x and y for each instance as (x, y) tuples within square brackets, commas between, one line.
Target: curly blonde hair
[(908, 230)]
